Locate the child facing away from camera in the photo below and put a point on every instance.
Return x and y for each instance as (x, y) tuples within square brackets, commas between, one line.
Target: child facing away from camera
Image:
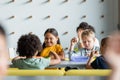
[(52, 43), (112, 55), (28, 47), (88, 39), (81, 28), (99, 62)]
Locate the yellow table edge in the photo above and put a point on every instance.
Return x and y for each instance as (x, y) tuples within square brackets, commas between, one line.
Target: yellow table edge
[(87, 72), (35, 73), (58, 72)]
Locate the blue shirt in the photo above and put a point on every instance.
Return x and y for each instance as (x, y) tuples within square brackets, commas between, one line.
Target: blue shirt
[(99, 63)]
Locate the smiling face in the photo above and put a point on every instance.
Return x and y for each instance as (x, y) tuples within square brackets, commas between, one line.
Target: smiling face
[(88, 42), (50, 39)]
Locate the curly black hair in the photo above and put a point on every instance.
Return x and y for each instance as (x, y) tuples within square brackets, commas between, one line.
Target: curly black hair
[(28, 45), (83, 26)]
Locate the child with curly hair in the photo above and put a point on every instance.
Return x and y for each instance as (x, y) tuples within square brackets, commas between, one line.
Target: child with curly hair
[(28, 47)]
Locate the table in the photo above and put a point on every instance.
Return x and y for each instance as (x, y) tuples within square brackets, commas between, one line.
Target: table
[(70, 64)]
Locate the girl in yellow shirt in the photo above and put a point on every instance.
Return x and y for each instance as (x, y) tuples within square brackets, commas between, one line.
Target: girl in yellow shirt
[(52, 43)]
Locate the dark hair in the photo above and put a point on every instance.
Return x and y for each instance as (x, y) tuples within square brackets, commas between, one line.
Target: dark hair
[(83, 26), (104, 41), (103, 44), (28, 44), (2, 31), (92, 28), (52, 31)]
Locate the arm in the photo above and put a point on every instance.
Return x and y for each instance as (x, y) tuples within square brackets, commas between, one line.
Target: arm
[(18, 57), (72, 44), (57, 59), (80, 44), (91, 59), (88, 65), (62, 55), (70, 54)]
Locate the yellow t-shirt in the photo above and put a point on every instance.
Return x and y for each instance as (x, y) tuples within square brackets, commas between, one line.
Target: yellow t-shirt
[(56, 48)]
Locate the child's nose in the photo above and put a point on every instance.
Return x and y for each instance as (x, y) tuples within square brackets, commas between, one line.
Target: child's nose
[(87, 43), (48, 40)]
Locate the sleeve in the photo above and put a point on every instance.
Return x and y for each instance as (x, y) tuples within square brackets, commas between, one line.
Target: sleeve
[(94, 64), (45, 62), (15, 63)]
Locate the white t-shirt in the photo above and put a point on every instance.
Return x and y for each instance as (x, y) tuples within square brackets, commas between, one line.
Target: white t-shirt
[(97, 43)]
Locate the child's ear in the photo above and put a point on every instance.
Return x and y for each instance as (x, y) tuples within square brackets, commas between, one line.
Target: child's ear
[(57, 38)]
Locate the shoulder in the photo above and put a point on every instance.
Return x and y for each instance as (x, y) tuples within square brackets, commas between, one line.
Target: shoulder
[(18, 60), (97, 62), (36, 60), (100, 58), (96, 48), (96, 39), (58, 46), (45, 49)]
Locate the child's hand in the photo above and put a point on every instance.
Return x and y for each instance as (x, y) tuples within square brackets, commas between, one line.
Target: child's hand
[(73, 41), (52, 54), (94, 54)]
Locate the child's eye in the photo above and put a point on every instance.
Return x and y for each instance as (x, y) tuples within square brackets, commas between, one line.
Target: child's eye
[(51, 38), (89, 41), (84, 42), (46, 38)]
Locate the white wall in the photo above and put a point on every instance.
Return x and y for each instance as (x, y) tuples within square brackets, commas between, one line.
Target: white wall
[(74, 9)]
